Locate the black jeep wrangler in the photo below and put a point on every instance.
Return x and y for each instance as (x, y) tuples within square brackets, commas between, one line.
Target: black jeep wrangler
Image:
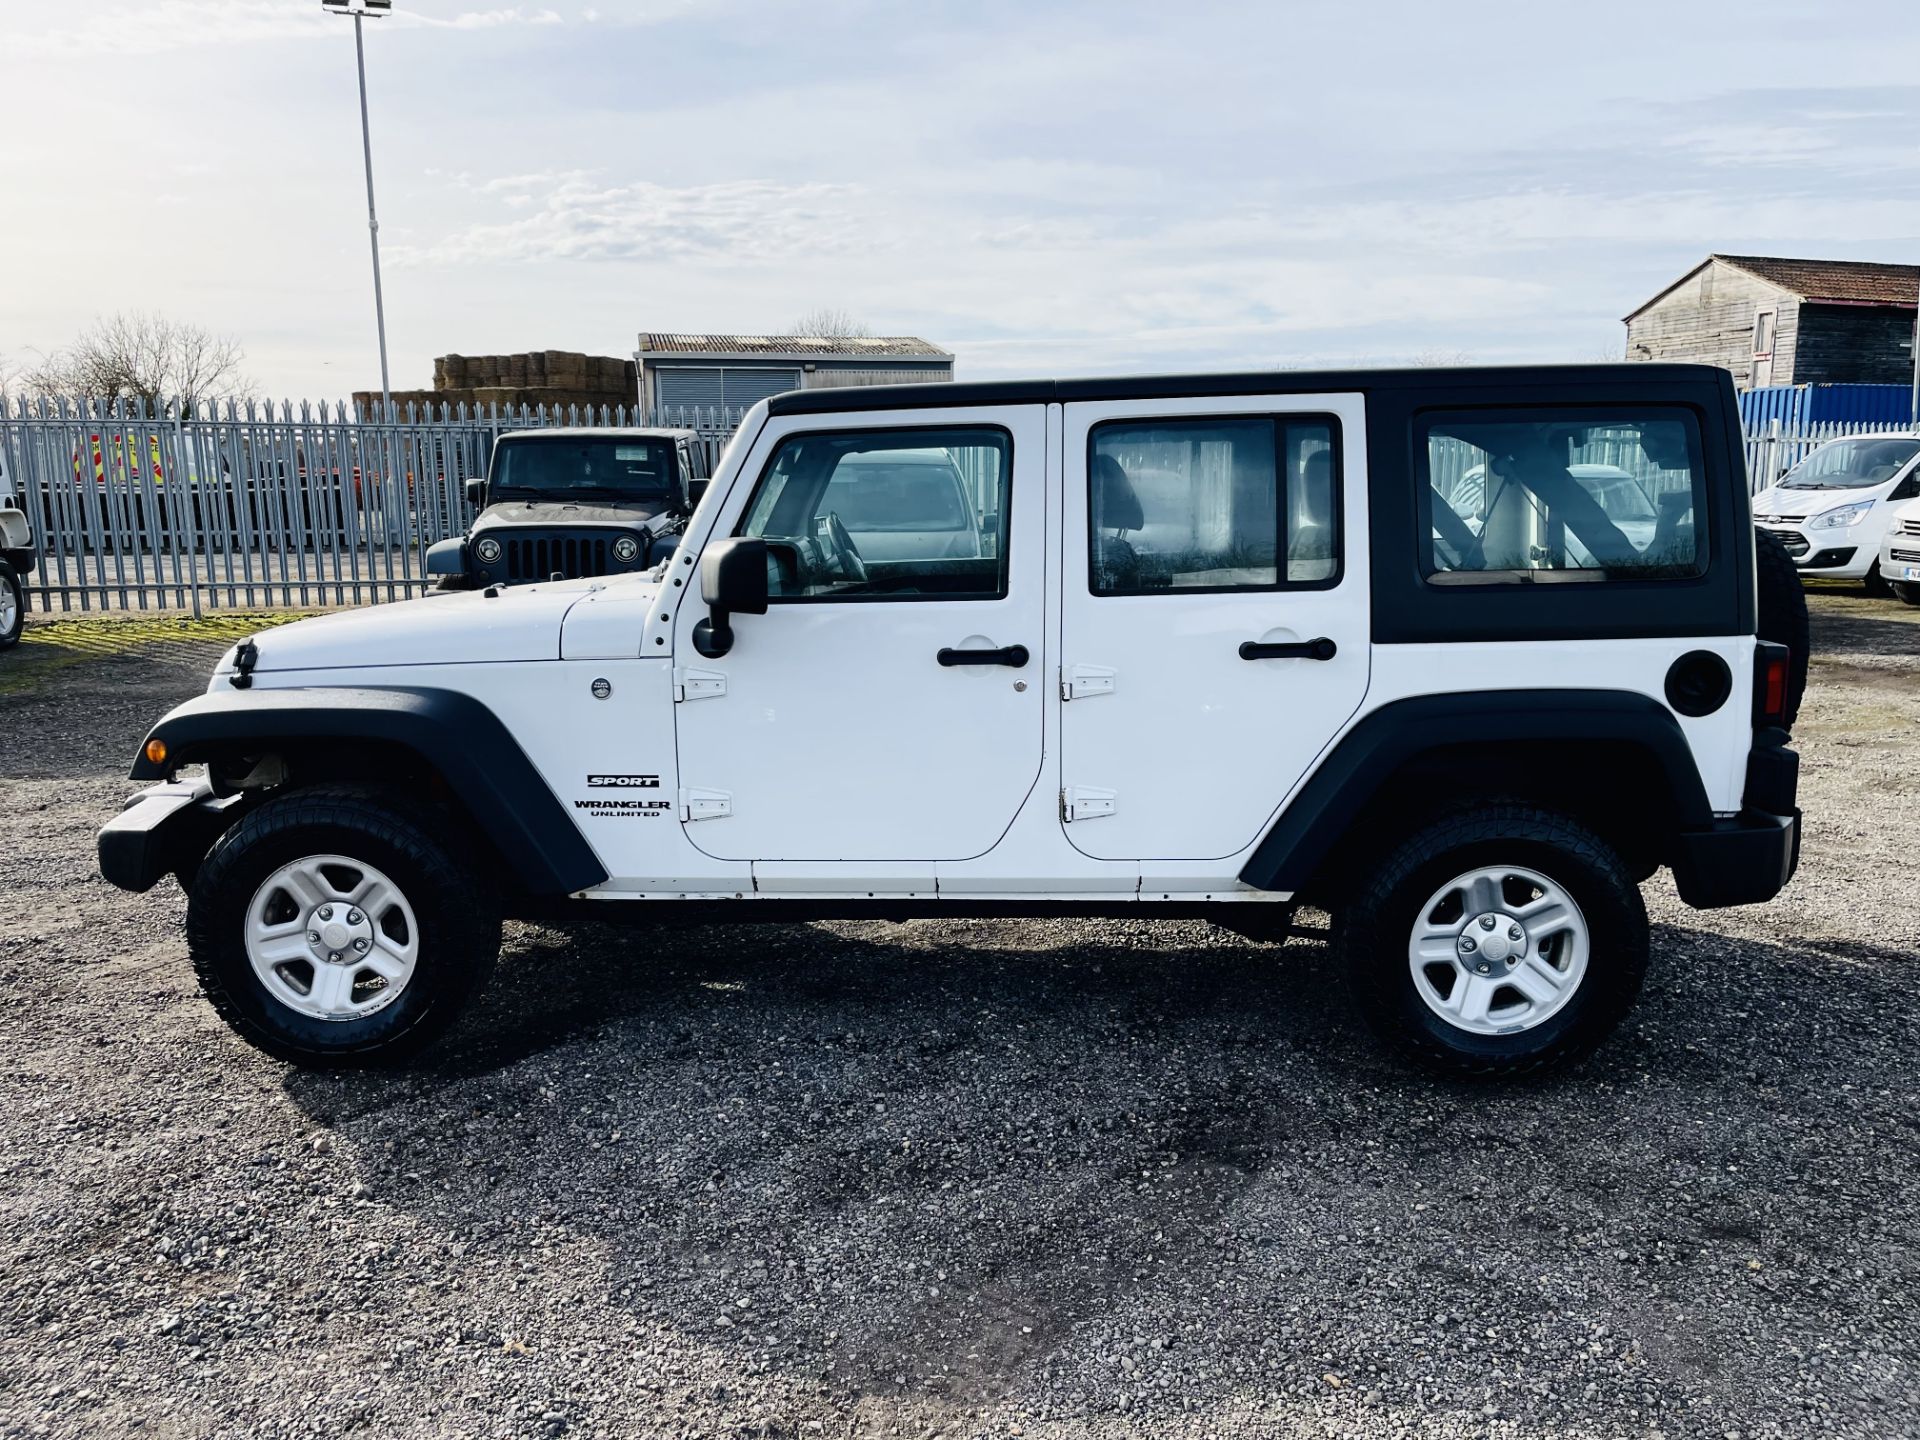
[(574, 502)]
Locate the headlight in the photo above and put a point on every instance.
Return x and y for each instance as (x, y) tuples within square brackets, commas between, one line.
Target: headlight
[(625, 549), (488, 550), (1840, 517)]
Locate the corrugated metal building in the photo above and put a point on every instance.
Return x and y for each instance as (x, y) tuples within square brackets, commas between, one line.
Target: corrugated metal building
[(731, 372), (1775, 321)]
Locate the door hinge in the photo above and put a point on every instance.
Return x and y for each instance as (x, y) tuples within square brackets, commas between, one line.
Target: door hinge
[(1081, 682), (1084, 802), (691, 684), (705, 804)]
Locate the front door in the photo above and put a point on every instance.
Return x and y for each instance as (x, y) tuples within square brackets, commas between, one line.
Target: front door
[(888, 706), (1214, 617)]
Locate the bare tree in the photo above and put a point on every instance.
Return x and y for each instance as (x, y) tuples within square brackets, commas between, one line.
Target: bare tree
[(135, 355), (829, 323)]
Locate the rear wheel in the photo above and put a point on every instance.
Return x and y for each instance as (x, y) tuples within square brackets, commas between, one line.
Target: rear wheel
[(1498, 940), (13, 606), (331, 928)]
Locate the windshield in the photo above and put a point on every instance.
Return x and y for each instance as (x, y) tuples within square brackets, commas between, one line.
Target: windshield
[(1619, 494), (1851, 465), (599, 466), (876, 496)]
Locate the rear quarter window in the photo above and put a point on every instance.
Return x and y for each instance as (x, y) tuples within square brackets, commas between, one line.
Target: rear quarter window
[(1552, 496)]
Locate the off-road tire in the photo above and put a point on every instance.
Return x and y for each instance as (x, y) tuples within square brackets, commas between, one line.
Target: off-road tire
[(1906, 592), (10, 579), (1371, 937), (1783, 613), (449, 583), (459, 930)]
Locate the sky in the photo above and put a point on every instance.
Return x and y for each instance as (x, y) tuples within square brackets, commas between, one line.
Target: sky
[(1079, 187)]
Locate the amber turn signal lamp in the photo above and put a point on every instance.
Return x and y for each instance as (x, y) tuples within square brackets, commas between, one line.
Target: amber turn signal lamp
[(156, 752)]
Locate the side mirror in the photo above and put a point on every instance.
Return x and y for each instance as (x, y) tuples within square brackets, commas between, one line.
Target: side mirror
[(477, 492), (696, 489), (733, 581)]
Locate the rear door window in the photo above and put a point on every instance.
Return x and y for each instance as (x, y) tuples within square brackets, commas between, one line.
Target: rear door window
[(1241, 503), (1561, 495)]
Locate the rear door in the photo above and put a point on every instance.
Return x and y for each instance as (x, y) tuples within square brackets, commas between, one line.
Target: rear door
[(1214, 621)]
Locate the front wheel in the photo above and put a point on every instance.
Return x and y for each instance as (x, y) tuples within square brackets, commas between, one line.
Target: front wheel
[(332, 928), (1906, 592), (1495, 941), (1873, 582), (13, 606)]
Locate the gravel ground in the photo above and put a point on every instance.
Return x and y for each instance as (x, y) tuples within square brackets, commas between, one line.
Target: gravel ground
[(997, 1178)]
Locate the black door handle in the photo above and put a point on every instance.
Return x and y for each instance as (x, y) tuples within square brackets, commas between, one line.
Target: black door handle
[(1320, 649), (1014, 655)]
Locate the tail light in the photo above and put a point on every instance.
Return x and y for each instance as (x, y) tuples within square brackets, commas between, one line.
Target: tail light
[(1771, 666)]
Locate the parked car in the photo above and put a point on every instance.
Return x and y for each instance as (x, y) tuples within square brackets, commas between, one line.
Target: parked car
[(17, 557), (1325, 687), (1832, 510), (563, 503), (1900, 552)]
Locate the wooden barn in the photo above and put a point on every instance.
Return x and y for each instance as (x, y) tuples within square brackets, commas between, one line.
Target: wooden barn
[(1775, 321)]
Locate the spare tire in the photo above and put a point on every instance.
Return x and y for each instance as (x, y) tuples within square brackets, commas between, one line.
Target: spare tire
[(1783, 612)]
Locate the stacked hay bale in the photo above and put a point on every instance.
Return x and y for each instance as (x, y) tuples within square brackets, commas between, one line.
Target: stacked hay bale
[(538, 377)]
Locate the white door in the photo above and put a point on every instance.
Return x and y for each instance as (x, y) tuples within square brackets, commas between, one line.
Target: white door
[(1214, 632), (888, 706)]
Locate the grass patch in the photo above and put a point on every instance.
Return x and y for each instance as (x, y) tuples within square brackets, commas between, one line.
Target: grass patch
[(56, 645)]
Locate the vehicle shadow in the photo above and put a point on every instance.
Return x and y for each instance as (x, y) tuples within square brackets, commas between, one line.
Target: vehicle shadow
[(944, 1163), (1845, 625)]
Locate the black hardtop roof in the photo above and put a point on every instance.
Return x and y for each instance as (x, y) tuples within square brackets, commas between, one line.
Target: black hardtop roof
[(600, 432), (1499, 379)]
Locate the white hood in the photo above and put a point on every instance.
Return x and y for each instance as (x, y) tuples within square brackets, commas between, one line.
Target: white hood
[(519, 623), (1798, 504)]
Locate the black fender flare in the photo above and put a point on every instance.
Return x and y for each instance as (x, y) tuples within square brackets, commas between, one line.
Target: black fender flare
[(1360, 762), (452, 733)]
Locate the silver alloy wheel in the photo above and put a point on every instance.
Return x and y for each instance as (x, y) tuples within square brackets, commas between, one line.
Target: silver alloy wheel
[(1498, 950), (332, 938), (9, 609)]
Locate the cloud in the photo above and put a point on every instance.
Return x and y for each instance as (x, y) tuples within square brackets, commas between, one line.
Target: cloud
[(577, 217), (165, 25)]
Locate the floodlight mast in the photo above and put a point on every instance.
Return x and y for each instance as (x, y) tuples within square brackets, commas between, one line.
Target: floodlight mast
[(360, 10)]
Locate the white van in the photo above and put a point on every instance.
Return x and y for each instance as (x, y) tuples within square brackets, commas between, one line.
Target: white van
[(1900, 552), (1833, 509)]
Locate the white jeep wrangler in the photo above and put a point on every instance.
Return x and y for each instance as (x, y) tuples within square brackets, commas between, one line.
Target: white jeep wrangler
[(1186, 646)]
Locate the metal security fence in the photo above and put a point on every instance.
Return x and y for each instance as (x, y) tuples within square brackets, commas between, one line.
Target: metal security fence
[(1773, 448), (139, 507), (247, 505)]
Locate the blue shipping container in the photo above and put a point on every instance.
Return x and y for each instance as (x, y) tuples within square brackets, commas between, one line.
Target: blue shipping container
[(1799, 407)]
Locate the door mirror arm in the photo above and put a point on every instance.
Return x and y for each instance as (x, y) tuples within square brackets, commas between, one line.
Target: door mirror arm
[(733, 581)]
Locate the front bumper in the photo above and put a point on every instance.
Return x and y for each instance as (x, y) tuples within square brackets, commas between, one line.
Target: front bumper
[(1900, 559), (1834, 553), (164, 829)]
